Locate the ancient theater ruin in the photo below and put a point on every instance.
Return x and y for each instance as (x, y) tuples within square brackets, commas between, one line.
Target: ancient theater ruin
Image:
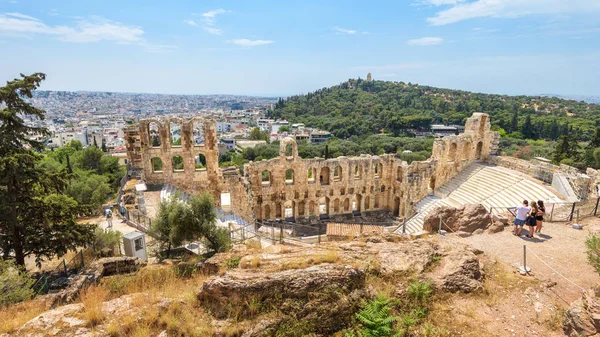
[(362, 189)]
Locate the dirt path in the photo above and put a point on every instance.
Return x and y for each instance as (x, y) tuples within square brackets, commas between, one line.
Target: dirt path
[(561, 247)]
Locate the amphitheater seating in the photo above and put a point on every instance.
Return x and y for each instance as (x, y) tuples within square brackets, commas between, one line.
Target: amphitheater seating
[(491, 186)]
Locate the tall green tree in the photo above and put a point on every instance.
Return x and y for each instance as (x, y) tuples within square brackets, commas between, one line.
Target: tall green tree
[(105, 149), (35, 218)]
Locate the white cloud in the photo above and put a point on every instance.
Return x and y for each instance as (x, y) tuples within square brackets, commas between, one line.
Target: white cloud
[(509, 9), (251, 43), (190, 22), (209, 19), (94, 29), (344, 30), (425, 41)]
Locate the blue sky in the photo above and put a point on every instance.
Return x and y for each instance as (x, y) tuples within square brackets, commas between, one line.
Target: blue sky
[(289, 47)]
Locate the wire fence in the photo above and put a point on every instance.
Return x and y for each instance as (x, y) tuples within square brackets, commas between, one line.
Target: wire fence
[(64, 269)]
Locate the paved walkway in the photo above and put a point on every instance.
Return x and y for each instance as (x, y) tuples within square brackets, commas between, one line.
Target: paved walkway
[(561, 247)]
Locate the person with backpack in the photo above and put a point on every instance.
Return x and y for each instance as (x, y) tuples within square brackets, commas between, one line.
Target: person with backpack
[(531, 221)]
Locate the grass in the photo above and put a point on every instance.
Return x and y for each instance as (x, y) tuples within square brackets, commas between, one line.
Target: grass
[(92, 299), (14, 316)]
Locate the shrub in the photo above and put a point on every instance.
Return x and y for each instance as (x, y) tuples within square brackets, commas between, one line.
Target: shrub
[(233, 262), (592, 243), (92, 299), (376, 319), (15, 283), (110, 239)]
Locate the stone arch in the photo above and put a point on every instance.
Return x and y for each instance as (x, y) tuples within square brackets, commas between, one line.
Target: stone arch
[(311, 208), (399, 174), (358, 171), (478, 150), (346, 205), (267, 212), (278, 210), (396, 210), (323, 205), (265, 178), (177, 163), (367, 203), (324, 176), (452, 152), (378, 170), (301, 207), (382, 189), (311, 175), (197, 137), (289, 210), (283, 147), (289, 176), (336, 205), (175, 134), (357, 203), (376, 206), (157, 165), (200, 162), (466, 151), (154, 135), (337, 173)]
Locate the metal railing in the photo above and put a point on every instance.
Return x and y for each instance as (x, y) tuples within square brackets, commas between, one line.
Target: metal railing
[(557, 211), (75, 265)]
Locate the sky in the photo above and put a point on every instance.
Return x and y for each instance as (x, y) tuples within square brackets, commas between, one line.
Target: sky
[(279, 48)]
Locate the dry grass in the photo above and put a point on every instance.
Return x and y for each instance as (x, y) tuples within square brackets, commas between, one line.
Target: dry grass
[(324, 256), (554, 321), (250, 262), (14, 316), (499, 280), (92, 299)]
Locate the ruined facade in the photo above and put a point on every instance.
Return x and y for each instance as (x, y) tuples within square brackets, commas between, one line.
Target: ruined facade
[(299, 189)]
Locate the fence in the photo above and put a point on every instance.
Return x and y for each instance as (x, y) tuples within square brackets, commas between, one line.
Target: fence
[(558, 211), (82, 259)]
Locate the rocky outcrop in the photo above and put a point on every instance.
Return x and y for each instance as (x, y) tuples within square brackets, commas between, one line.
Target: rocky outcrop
[(463, 220), (237, 289), (66, 320), (583, 316), (459, 270)]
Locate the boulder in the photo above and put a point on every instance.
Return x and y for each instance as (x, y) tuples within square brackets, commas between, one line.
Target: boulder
[(583, 316), (466, 219), (496, 227), (236, 289), (459, 270)]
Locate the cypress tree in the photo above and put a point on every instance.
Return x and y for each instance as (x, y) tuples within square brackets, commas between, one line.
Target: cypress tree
[(69, 168)]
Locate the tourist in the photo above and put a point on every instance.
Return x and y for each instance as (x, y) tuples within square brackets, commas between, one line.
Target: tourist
[(539, 217), (531, 219), (521, 217)]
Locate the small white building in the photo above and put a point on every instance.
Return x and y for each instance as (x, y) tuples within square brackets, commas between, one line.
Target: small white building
[(134, 245)]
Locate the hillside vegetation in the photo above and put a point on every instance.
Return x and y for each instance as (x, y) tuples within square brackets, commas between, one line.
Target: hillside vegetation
[(358, 107)]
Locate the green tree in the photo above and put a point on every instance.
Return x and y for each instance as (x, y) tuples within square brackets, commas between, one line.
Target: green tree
[(105, 149), (95, 143), (284, 129), (35, 219), (69, 168), (595, 141), (90, 158), (561, 150), (592, 244), (76, 145), (257, 134)]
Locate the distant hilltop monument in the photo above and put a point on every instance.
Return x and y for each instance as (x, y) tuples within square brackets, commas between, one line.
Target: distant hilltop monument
[(369, 79)]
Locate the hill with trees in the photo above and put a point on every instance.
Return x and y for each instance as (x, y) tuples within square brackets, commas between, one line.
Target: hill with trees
[(359, 107)]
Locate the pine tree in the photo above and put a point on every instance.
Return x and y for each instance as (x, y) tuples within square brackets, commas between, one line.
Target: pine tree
[(95, 143), (69, 168), (554, 132), (514, 123), (573, 149), (595, 141), (527, 128), (561, 150), (326, 154), (104, 149), (36, 218)]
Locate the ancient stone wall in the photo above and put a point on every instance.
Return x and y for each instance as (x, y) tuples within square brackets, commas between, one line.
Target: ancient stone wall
[(295, 188)]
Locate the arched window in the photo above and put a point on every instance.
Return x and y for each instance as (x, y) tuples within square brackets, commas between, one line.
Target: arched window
[(324, 176), (367, 203), (157, 165), (289, 150), (289, 176), (342, 191), (323, 205), (267, 213), (337, 173), (346, 205), (382, 188), (452, 152), (478, 150), (357, 172), (399, 174), (154, 134), (288, 209), (265, 178), (200, 162), (378, 170), (197, 133), (175, 134), (178, 164), (336, 205), (311, 175)]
